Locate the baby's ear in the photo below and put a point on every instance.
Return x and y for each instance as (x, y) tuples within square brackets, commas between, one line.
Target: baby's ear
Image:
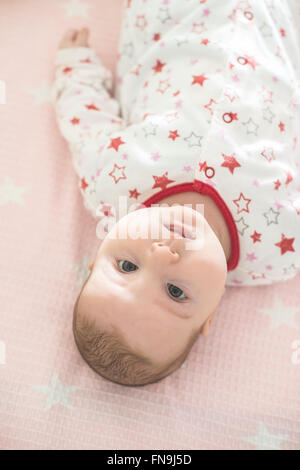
[(91, 265), (205, 327), (207, 323)]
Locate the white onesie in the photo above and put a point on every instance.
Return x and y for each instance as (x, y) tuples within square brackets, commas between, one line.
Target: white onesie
[(209, 95)]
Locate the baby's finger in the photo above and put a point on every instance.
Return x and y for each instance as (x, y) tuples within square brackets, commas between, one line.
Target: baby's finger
[(71, 35), (68, 38), (82, 37)]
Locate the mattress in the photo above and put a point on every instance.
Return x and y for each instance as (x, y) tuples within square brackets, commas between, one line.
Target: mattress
[(239, 387)]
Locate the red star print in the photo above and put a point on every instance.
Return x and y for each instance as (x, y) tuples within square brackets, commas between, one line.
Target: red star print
[(251, 61), (86, 61), (75, 121), (202, 166), (116, 167), (277, 185), (231, 66), (267, 95), (205, 42), (233, 116), (173, 135), (134, 193), (67, 69), (282, 32), (209, 106), (141, 22), (230, 162), (268, 154), (198, 28), (176, 93), (289, 178), (106, 209), (256, 275), (162, 181), (285, 244), (92, 106), (115, 143), (281, 127), (240, 200), (158, 67), (232, 97), (163, 86), (156, 37), (199, 79), (84, 184), (256, 237)]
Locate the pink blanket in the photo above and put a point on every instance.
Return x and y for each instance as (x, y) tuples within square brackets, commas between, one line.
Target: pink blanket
[(239, 387)]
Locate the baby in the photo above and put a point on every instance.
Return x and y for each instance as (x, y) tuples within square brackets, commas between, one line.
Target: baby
[(206, 155)]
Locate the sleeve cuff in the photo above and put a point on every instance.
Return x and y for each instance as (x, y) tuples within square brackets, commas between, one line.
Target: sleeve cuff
[(71, 56)]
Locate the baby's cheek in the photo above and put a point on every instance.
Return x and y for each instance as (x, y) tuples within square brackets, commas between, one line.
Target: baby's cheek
[(210, 274)]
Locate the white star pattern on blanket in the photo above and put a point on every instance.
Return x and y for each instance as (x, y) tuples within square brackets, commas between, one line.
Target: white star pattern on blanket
[(57, 392), (76, 8), (281, 314), (264, 440), (9, 192), (42, 94), (239, 387), (82, 270)]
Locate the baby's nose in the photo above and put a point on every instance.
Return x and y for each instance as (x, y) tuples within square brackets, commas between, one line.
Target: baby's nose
[(165, 252)]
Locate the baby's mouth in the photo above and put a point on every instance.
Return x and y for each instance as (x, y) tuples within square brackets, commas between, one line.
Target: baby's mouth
[(181, 230)]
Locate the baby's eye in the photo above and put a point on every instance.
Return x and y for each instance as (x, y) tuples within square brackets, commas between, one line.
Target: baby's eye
[(126, 266), (175, 292)]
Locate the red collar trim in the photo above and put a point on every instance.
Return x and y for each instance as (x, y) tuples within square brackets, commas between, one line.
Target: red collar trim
[(206, 189)]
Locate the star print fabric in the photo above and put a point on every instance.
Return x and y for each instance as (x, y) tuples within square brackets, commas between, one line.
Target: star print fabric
[(207, 100)]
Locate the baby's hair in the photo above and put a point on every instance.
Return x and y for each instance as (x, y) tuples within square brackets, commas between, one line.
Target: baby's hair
[(110, 356)]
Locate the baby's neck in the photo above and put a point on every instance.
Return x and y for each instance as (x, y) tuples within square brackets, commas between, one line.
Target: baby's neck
[(211, 213)]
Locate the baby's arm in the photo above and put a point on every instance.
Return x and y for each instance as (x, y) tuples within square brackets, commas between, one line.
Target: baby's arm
[(85, 110)]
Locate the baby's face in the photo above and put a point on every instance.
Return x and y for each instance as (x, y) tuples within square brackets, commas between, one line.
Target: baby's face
[(159, 287)]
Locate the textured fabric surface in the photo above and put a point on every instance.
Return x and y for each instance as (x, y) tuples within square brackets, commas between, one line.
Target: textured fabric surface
[(239, 387)]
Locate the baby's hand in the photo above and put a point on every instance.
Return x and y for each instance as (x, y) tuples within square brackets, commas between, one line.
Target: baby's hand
[(74, 38)]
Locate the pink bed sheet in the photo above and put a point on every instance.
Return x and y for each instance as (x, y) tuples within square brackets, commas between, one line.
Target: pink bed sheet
[(240, 386)]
